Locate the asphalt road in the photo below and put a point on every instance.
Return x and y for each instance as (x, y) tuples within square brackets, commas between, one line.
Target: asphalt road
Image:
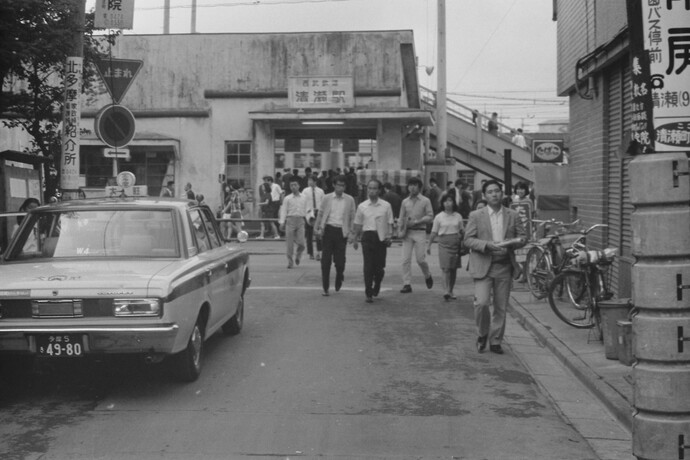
[(310, 376)]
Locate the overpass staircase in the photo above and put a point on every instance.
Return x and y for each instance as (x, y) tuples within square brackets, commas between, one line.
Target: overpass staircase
[(471, 145)]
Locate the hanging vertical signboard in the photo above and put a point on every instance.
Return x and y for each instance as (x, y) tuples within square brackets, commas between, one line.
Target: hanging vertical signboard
[(666, 33), (69, 160), (114, 14), (642, 130)]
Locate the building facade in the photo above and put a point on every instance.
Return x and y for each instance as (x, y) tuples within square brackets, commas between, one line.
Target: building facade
[(242, 106), (594, 71)]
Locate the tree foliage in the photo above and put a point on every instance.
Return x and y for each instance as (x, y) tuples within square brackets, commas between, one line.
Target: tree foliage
[(36, 37)]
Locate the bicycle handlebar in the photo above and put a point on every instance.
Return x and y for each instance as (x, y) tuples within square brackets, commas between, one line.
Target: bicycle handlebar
[(554, 222), (594, 227)]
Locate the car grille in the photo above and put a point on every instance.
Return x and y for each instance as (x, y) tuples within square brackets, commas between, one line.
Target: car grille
[(49, 308)]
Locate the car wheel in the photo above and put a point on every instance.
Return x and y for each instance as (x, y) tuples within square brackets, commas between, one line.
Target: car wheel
[(234, 325), (187, 363)]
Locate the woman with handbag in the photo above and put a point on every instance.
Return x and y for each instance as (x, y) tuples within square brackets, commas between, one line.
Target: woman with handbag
[(449, 229)]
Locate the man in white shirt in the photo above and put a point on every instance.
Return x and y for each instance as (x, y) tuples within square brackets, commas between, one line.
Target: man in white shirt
[(416, 212), (519, 140), (334, 226), (374, 228), (292, 220), (314, 196), (493, 233)]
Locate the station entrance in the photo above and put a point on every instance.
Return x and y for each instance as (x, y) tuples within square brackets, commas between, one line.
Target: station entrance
[(324, 150)]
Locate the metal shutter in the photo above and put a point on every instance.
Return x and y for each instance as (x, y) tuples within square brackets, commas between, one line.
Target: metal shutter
[(619, 208)]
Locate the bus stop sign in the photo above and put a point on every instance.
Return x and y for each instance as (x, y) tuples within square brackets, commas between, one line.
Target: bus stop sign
[(115, 125)]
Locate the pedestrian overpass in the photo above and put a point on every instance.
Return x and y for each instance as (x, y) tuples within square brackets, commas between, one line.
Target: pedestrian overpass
[(471, 145)]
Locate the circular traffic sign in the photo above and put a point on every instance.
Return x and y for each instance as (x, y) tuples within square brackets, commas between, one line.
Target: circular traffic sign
[(115, 125)]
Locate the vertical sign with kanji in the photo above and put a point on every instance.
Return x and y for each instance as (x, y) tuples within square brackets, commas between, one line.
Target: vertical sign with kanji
[(642, 129), (666, 32), (114, 14), (69, 160), (321, 92)]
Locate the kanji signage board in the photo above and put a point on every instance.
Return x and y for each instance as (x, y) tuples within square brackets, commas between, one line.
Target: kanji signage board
[(666, 40), (69, 160), (321, 92), (118, 75), (114, 14)]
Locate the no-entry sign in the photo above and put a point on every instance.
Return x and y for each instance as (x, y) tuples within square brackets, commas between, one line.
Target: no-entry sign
[(115, 125)]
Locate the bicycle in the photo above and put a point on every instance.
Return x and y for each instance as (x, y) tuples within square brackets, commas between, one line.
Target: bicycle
[(575, 293), (546, 259)]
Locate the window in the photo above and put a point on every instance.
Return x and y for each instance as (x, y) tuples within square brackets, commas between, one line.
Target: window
[(206, 234), (238, 163), (151, 167)]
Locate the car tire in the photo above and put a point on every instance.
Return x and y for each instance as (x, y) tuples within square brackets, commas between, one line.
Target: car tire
[(233, 326), (187, 364)]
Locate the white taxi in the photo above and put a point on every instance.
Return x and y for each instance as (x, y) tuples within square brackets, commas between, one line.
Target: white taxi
[(150, 276)]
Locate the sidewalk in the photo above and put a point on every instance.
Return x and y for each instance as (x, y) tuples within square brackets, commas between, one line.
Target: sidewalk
[(609, 380)]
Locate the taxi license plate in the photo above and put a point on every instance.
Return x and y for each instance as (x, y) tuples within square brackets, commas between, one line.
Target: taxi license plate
[(60, 346)]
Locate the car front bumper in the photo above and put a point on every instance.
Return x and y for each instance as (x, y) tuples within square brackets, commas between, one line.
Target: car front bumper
[(158, 339)]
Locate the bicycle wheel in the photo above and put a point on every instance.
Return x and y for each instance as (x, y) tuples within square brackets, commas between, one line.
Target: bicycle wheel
[(538, 272), (571, 300)]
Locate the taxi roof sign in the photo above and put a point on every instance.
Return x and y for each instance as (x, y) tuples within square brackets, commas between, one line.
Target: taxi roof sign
[(126, 181), (115, 191)]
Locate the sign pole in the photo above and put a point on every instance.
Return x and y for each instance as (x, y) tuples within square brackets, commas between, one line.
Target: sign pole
[(71, 112)]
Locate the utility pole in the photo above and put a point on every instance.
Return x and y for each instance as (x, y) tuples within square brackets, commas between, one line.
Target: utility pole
[(71, 112), (193, 16), (441, 90), (166, 17)]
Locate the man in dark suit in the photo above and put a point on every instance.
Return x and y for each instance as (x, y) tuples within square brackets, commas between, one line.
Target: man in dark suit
[(493, 233), (334, 226)]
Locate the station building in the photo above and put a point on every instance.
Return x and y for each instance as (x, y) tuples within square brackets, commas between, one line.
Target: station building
[(242, 106)]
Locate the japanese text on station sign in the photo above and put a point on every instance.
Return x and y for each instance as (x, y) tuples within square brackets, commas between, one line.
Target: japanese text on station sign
[(321, 92)]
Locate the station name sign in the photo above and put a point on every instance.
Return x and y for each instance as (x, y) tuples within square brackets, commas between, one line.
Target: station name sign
[(321, 92)]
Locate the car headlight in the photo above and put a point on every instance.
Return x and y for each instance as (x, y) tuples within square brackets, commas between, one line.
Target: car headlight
[(137, 307)]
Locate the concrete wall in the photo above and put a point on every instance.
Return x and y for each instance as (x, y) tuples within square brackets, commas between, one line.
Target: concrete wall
[(179, 68)]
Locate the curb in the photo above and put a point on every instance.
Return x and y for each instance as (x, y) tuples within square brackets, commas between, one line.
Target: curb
[(614, 402)]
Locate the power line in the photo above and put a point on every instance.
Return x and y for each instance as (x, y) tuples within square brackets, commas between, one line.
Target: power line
[(245, 3), (480, 96), (479, 53)]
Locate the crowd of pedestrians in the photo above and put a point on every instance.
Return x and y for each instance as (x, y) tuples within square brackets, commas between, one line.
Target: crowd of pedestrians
[(461, 222)]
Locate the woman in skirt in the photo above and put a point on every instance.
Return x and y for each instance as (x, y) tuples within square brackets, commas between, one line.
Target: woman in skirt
[(449, 229)]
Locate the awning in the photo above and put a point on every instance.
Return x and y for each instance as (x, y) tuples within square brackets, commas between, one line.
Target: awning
[(288, 117), (394, 176)]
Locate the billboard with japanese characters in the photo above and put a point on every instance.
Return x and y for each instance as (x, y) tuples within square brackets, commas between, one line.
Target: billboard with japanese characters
[(317, 92), (666, 40)]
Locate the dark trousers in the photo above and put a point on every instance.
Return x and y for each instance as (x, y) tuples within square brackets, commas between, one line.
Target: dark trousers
[(309, 233), (333, 244), (374, 254)]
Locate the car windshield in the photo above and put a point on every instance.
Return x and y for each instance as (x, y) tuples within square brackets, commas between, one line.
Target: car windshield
[(96, 233)]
